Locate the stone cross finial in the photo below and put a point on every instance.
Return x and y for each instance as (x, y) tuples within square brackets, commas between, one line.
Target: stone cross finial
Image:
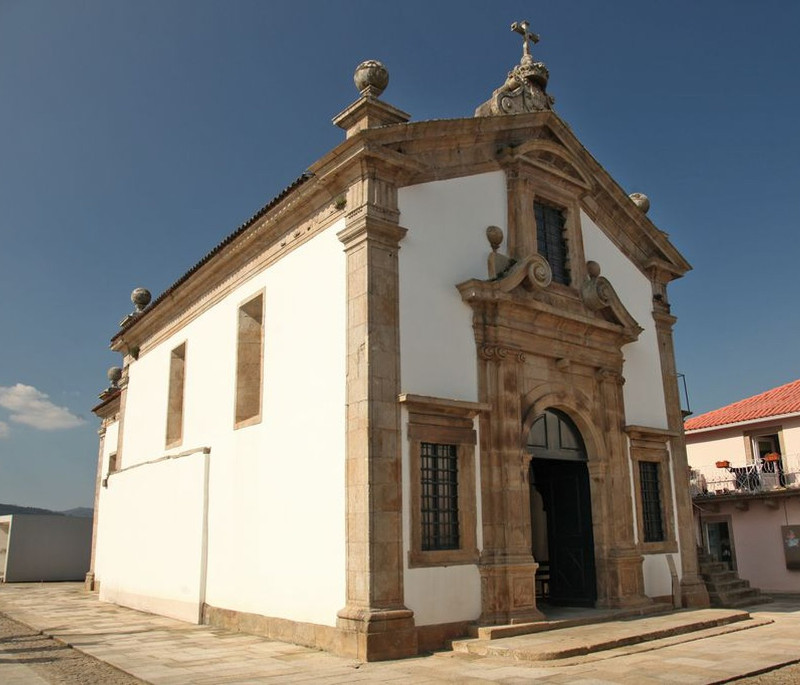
[(521, 27)]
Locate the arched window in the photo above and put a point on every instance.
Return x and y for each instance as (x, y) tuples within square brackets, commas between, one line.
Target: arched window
[(554, 436)]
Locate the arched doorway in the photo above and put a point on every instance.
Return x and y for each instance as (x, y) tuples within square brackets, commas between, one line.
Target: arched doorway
[(561, 512)]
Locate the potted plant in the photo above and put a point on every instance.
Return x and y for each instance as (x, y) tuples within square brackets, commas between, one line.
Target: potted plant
[(724, 464), (772, 456)]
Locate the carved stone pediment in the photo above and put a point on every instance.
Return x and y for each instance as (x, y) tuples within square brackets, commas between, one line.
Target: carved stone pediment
[(550, 155)]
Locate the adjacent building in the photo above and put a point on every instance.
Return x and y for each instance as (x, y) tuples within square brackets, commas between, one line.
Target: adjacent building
[(746, 486), (440, 358)]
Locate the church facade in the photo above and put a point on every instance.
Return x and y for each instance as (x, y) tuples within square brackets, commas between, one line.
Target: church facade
[(429, 385)]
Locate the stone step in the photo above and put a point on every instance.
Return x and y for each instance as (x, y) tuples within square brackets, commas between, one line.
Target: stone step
[(719, 576), (580, 618), (732, 585), (588, 639)]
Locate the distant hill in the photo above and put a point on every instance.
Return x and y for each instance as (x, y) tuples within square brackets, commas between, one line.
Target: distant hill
[(81, 512), (15, 509)]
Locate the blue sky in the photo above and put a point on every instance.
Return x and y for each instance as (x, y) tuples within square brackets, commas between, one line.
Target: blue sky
[(135, 135)]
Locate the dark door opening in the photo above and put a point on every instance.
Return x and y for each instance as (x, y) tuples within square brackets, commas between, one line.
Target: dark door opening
[(561, 515)]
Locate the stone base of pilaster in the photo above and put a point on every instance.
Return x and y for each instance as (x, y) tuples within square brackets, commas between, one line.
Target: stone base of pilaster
[(508, 593), (694, 593), (623, 580), (370, 634), (88, 582)]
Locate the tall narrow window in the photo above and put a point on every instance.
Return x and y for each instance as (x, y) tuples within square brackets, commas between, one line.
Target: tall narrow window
[(249, 361), (439, 496), (550, 240), (177, 376), (652, 517)]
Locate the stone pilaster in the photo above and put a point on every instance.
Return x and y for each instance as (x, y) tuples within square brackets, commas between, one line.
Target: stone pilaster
[(693, 589), (507, 566), (619, 562), (374, 624)]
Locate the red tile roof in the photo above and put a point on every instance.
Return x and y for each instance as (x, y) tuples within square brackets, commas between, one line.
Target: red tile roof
[(785, 399)]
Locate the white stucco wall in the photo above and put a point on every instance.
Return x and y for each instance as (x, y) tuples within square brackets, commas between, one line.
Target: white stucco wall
[(440, 594), (276, 495), (150, 538), (643, 391), (45, 547), (445, 245), (657, 576)]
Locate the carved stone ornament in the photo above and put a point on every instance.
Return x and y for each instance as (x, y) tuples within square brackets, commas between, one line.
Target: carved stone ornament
[(525, 89), (599, 296), (371, 77), (499, 354)]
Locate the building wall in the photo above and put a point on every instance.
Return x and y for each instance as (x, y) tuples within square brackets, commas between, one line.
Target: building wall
[(445, 245), (757, 540), (47, 548), (274, 543), (705, 448)]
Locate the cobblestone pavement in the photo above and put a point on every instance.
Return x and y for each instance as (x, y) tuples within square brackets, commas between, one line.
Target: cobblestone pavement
[(163, 651), (29, 658)]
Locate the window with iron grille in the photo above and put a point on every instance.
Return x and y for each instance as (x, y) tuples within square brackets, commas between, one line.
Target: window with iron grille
[(551, 241), (653, 524), (439, 466)]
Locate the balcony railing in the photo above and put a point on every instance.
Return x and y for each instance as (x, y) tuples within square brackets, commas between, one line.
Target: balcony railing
[(759, 477)]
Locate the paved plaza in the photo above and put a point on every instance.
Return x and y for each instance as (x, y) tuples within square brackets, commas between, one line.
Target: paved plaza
[(164, 651)]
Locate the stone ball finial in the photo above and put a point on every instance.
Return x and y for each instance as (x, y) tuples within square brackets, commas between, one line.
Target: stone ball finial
[(140, 298), (114, 374), (494, 234), (371, 77), (593, 269), (641, 201)]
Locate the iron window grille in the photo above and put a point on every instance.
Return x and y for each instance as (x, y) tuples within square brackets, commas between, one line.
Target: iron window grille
[(652, 520), (551, 241), (439, 466)]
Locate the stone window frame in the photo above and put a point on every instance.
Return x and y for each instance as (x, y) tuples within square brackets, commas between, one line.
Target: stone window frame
[(753, 433), (450, 422), (651, 445), (176, 396), (244, 413), (527, 184)]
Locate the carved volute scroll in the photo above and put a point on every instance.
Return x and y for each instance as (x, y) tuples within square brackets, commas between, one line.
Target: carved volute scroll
[(599, 295)]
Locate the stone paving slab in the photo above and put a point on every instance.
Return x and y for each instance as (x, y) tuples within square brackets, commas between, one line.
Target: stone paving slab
[(169, 652)]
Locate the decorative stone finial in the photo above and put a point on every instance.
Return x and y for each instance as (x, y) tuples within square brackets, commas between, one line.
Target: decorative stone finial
[(641, 201), (593, 269), (525, 87), (494, 234), (114, 374), (371, 77), (140, 298)]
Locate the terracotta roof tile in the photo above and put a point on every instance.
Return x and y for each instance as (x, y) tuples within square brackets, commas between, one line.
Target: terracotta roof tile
[(785, 399)]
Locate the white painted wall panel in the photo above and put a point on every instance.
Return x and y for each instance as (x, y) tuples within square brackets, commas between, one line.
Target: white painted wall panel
[(657, 578), (276, 506), (644, 388), (445, 245)]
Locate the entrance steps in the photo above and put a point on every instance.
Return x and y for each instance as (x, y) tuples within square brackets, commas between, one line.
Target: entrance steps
[(564, 639), (725, 588)]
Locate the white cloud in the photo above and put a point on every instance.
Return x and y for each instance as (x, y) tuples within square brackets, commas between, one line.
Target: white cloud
[(4, 429), (33, 408)]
